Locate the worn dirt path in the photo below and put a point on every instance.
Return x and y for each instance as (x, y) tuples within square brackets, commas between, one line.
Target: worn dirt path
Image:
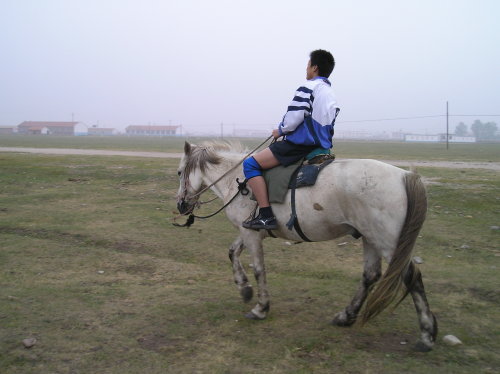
[(98, 152)]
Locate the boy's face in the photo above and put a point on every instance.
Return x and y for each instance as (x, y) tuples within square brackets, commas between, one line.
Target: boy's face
[(311, 71)]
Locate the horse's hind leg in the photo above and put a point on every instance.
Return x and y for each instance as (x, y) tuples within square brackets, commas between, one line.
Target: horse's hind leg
[(371, 274), (427, 320), (240, 278)]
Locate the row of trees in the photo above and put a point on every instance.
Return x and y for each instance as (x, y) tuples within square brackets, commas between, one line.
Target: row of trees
[(481, 130)]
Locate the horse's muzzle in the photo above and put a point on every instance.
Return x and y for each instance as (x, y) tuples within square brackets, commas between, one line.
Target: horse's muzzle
[(183, 207)]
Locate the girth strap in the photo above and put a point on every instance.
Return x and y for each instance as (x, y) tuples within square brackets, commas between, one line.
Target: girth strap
[(294, 221), (271, 234)]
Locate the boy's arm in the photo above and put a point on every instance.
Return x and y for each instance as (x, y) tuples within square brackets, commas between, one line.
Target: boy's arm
[(299, 108)]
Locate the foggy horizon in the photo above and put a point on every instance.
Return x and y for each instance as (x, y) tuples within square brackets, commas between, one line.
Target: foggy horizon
[(199, 64)]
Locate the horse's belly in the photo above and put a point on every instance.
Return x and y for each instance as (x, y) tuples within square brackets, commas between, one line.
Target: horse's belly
[(316, 233), (319, 219)]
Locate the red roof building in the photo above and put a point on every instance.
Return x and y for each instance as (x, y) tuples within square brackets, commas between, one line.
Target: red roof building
[(52, 128)]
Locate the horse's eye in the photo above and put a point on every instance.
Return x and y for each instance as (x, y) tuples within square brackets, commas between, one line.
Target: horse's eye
[(179, 173)]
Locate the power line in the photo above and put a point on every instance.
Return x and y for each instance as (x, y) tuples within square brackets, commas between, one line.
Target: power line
[(419, 117), (474, 115), (393, 119), (259, 126)]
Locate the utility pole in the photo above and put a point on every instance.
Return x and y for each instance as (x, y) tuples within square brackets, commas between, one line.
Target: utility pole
[(447, 122), (221, 130)]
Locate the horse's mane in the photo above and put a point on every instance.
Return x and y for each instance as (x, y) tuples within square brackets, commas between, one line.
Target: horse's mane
[(209, 153), (231, 146)]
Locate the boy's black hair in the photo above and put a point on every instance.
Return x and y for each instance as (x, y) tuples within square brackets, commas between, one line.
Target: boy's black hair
[(324, 61)]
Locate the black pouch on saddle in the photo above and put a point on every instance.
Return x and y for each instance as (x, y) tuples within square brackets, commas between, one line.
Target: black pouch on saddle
[(308, 174)]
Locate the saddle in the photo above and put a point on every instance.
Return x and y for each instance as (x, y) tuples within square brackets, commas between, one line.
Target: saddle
[(301, 174)]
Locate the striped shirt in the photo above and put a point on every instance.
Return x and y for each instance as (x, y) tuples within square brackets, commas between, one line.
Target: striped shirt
[(311, 115)]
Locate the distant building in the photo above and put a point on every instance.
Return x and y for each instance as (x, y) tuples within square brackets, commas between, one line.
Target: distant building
[(7, 130), (52, 128), (359, 134), (398, 135), (459, 139), (250, 133), (421, 138), (439, 138), (102, 131), (152, 130)]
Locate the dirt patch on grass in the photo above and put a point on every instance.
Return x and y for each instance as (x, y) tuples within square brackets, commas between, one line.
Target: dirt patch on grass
[(89, 152), (389, 342), (478, 293), (97, 152), (159, 343), (127, 246), (140, 269), (493, 296), (432, 181), (437, 181)]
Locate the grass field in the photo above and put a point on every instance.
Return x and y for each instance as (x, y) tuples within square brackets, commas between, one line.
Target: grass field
[(91, 266), (486, 152)]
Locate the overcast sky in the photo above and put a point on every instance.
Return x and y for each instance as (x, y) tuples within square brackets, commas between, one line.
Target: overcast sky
[(200, 63)]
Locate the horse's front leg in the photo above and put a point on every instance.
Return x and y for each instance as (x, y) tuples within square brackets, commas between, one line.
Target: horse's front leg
[(240, 277), (253, 241)]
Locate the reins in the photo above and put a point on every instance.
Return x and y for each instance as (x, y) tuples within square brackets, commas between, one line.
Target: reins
[(233, 168), (242, 188)]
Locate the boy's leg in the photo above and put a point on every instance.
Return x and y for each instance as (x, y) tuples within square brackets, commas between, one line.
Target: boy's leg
[(266, 160), (259, 189), (265, 220)]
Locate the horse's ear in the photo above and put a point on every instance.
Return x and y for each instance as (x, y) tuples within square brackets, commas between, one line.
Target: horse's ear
[(187, 148)]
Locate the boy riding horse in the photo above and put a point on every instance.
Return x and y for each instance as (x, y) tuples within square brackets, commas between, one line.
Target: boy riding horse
[(306, 126)]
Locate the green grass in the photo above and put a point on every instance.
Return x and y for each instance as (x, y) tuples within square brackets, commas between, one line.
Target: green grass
[(91, 266), (486, 152)]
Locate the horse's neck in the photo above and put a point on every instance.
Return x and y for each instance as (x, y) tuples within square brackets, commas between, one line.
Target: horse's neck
[(227, 186)]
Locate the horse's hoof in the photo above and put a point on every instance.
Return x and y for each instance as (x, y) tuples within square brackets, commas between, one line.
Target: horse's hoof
[(246, 293), (420, 346), (251, 315), (341, 319)]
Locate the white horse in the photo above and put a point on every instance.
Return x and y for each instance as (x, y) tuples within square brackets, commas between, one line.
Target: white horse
[(382, 203)]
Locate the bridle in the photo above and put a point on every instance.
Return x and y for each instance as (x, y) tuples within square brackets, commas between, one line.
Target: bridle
[(241, 189)]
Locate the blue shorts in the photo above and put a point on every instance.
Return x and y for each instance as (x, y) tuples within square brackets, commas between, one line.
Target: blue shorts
[(288, 153)]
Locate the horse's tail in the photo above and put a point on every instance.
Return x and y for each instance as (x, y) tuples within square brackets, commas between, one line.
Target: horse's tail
[(389, 288)]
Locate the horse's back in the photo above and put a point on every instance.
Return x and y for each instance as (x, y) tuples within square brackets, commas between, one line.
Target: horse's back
[(363, 178), (360, 168)]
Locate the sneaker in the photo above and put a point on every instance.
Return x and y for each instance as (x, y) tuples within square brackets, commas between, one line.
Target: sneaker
[(261, 223)]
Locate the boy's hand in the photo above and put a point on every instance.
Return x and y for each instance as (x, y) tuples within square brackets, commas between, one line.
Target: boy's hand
[(276, 133)]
